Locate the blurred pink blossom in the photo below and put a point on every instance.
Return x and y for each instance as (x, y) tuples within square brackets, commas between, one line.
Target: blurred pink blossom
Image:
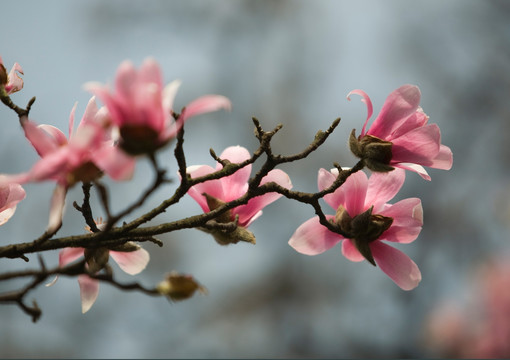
[(142, 109), (11, 82), (363, 214), (82, 157), (401, 128), (132, 262), (214, 192), (10, 196)]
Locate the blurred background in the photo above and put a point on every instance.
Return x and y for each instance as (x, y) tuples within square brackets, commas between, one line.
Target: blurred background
[(289, 62)]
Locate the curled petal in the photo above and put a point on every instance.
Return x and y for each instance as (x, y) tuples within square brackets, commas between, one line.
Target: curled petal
[(397, 265), (15, 81), (368, 102), (89, 289), (443, 160), (312, 238), (131, 262)]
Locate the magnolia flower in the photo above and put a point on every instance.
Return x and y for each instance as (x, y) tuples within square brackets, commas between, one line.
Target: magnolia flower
[(213, 193), (132, 262), (142, 109), (82, 157), (400, 136), (364, 216), (10, 196), (11, 82)]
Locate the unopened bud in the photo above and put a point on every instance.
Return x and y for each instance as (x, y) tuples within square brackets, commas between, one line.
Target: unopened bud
[(376, 153), (139, 139), (179, 286), (3, 74), (227, 237)]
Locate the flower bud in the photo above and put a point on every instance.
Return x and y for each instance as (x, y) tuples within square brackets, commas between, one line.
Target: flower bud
[(3, 74), (96, 258), (376, 153), (179, 286)]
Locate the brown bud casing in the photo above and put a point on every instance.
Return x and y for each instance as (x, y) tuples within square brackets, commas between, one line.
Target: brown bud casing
[(375, 152)]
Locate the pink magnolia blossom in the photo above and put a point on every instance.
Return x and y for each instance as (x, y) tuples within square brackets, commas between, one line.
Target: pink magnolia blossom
[(142, 109), (82, 157), (400, 135), (363, 214), (132, 262), (11, 82), (210, 194), (10, 196)]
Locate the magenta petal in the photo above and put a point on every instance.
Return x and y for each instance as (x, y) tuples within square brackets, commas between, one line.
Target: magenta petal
[(211, 187), (235, 185), (350, 251), (204, 104), (382, 187), (418, 146), (368, 102), (416, 120), (397, 265), (401, 103), (312, 238), (247, 212), (131, 262), (89, 289), (68, 255)]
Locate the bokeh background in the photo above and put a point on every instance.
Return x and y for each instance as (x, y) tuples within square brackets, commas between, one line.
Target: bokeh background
[(289, 62)]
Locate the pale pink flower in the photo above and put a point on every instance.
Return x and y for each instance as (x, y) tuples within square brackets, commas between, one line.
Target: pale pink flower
[(363, 214), (11, 82), (10, 196), (400, 135), (213, 193), (82, 157), (132, 262), (142, 109)]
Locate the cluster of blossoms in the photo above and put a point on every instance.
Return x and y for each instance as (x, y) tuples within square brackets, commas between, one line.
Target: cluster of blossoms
[(138, 119)]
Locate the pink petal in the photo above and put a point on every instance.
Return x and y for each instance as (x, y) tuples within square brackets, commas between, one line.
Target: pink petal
[(416, 120), (57, 208), (417, 146), (443, 160), (205, 104), (89, 289), (114, 162), (324, 180), (68, 255), (10, 195), (354, 192), (131, 262), (366, 100), (255, 205), (414, 168), (169, 93), (40, 139), (56, 134), (15, 81), (407, 223), (125, 82), (6, 214), (382, 187), (150, 72), (235, 185), (312, 238), (211, 187), (401, 103), (350, 251), (397, 265)]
